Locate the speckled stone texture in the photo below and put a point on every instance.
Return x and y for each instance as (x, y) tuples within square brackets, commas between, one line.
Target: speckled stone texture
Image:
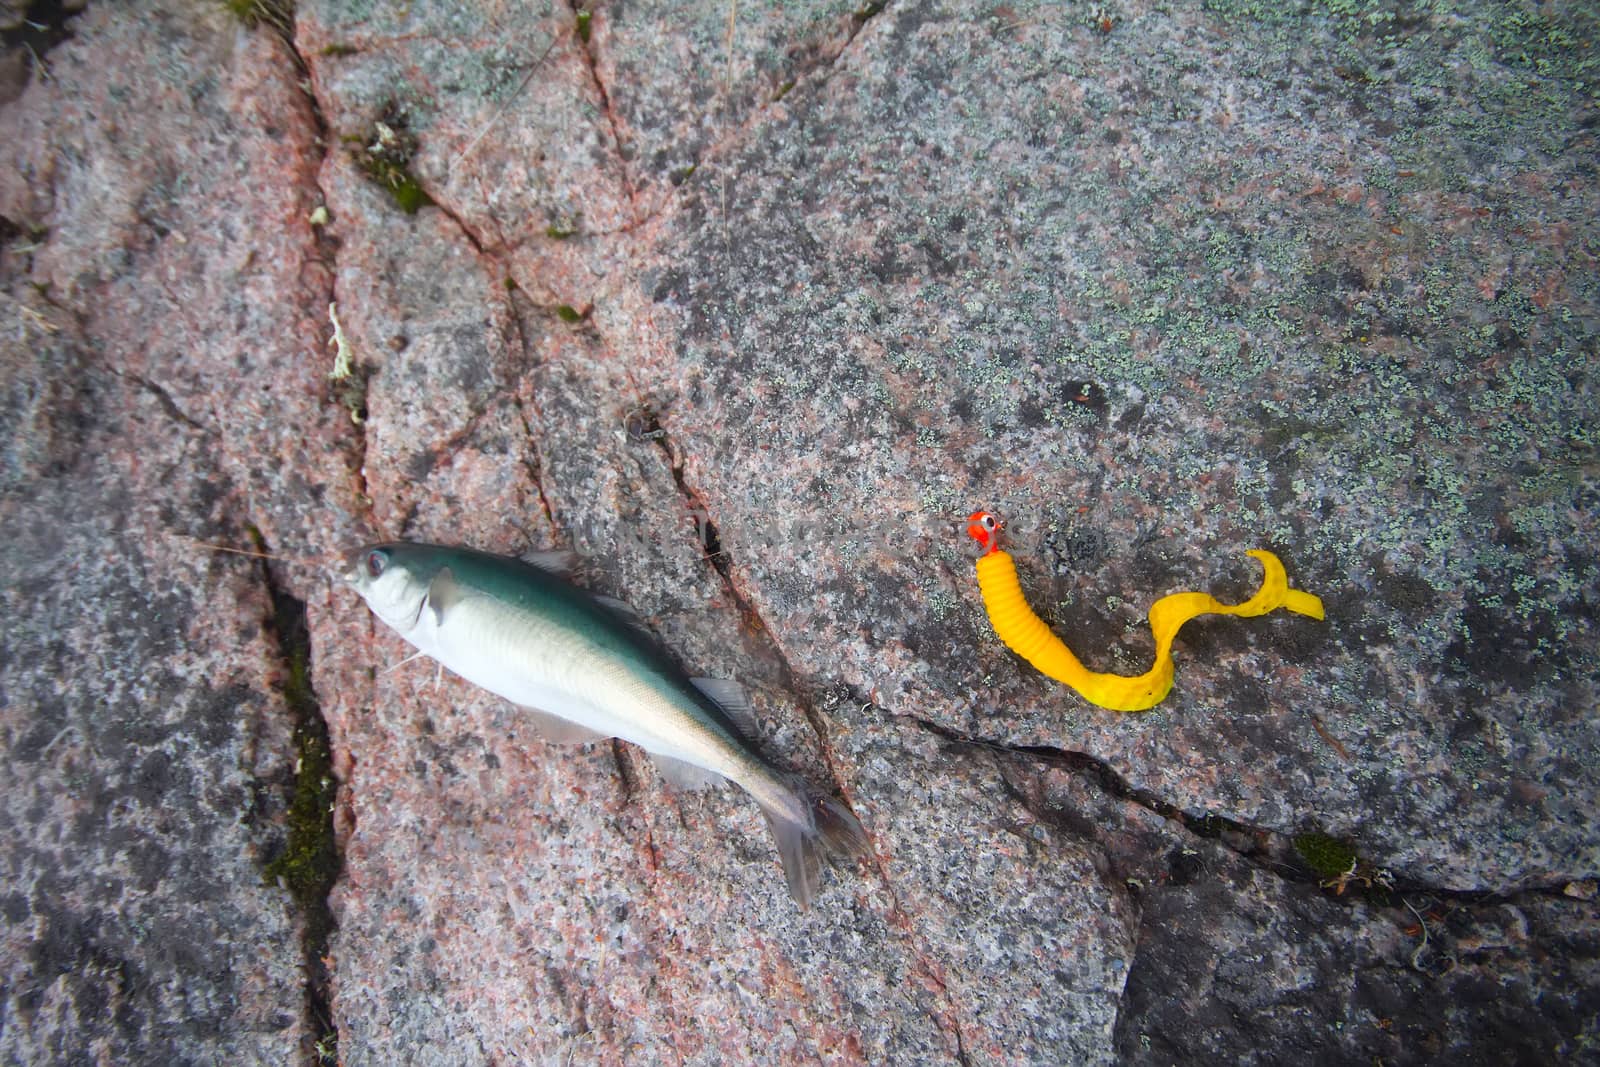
[(160, 370), (750, 305)]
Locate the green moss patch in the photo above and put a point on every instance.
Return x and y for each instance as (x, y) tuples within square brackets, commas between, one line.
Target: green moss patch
[(308, 863), (279, 14), (1328, 857), (384, 154), (1339, 870)]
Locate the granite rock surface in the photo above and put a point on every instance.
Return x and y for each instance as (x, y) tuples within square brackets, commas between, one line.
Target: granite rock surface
[(750, 305)]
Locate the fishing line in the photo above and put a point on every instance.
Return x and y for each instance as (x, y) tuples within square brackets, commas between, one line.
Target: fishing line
[(299, 561)]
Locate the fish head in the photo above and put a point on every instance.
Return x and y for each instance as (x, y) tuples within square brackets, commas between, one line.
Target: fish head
[(392, 579)]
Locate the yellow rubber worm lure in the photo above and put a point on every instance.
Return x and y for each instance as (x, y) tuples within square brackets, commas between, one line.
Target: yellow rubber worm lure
[(1027, 635)]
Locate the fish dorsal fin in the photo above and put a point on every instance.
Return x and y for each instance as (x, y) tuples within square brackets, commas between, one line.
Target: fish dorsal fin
[(444, 593), (558, 731), (560, 562), (683, 775), (733, 699)]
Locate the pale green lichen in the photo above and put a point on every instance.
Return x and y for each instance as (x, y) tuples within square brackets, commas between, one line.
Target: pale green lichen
[(343, 365), (349, 383)]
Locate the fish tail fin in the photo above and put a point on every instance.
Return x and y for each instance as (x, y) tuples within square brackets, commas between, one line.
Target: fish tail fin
[(810, 831)]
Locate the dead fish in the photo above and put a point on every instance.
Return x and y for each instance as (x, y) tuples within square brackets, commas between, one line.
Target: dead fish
[(585, 668)]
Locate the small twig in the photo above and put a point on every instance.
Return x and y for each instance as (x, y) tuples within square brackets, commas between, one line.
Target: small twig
[(1333, 742), (39, 64), (727, 104), (501, 110), (1415, 956), (402, 663), (727, 69), (37, 319), (305, 561), (65, 730)]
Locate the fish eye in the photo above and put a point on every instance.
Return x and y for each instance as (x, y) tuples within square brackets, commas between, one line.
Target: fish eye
[(376, 561)]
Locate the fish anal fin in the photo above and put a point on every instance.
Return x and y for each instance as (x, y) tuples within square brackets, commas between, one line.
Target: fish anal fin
[(683, 775), (802, 861), (733, 699), (559, 731), (624, 611)]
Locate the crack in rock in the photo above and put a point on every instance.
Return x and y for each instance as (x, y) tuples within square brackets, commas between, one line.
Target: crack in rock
[(327, 246), (858, 22), (755, 627), (1270, 851), (734, 134), (825, 60), (309, 863), (37, 29), (533, 463), (583, 17), (473, 239), (168, 405), (950, 1021)]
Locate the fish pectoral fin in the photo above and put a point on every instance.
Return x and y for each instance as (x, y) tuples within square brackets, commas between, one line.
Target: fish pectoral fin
[(733, 699), (444, 593), (683, 775), (558, 731)]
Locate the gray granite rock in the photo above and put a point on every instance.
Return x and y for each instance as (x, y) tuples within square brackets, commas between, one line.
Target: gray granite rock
[(750, 305), (159, 275), (146, 753), (1153, 329), (1241, 954)]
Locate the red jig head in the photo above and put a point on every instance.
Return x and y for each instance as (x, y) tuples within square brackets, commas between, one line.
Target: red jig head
[(984, 528)]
